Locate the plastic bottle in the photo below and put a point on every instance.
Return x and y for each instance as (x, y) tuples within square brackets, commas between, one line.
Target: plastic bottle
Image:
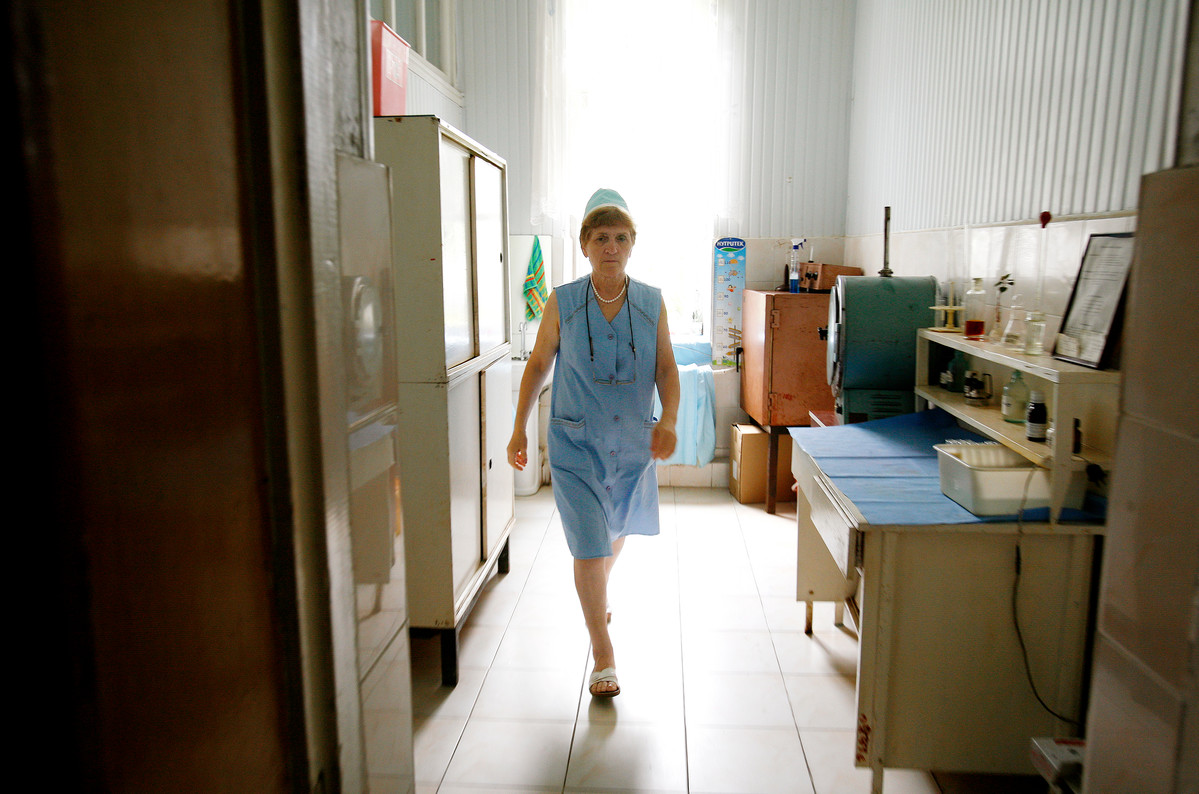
[(1015, 399), (793, 269), (975, 306), (1036, 417)]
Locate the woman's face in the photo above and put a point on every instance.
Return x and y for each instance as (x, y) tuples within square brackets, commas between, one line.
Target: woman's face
[(608, 249)]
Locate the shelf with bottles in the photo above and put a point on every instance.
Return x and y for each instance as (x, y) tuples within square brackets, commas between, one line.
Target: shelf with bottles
[(1072, 393), (1045, 367), (988, 420)]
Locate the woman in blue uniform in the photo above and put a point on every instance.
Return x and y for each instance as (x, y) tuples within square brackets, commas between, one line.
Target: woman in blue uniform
[(609, 335)]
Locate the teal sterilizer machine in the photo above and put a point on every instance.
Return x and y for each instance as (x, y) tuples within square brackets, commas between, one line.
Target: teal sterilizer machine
[(872, 343)]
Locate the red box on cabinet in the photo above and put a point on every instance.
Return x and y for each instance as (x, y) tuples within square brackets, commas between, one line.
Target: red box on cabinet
[(389, 70)]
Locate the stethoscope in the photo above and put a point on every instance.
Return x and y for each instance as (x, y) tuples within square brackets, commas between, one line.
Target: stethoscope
[(587, 314)]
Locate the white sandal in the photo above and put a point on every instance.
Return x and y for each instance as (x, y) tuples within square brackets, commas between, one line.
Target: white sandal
[(608, 674)]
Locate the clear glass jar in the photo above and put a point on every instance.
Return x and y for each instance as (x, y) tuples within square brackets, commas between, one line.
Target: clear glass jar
[(1034, 333), (1013, 333)]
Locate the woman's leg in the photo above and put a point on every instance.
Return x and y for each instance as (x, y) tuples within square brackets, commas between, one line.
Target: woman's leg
[(591, 582)]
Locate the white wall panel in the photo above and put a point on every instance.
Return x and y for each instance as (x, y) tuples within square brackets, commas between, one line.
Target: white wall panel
[(986, 111), (785, 107), (432, 96), (498, 51)]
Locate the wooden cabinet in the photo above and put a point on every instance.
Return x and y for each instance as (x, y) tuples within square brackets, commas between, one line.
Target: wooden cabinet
[(783, 366), (784, 359), (449, 228)]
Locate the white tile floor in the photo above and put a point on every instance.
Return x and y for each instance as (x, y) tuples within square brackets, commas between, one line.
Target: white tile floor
[(721, 689)]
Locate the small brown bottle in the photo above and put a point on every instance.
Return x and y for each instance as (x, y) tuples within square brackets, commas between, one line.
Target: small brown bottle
[(1037, 417)]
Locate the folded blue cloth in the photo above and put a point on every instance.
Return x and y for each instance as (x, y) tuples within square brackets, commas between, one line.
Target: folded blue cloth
[(696, 425), (694, 352)]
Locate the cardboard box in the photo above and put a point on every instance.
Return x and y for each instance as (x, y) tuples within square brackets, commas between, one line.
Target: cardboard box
[(747, 465)]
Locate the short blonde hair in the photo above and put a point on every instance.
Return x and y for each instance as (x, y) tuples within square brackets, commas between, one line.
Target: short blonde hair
[(608, 215)]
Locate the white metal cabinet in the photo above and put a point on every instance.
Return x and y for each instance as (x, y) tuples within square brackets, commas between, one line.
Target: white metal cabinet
[(499, 478), (449, 227), (941, 681)]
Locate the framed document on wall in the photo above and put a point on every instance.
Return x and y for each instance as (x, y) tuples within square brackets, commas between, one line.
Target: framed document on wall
[(1091, 325)]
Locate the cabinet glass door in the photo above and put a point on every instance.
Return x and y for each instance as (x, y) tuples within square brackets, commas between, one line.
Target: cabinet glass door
[(489, 249), (457, 277)]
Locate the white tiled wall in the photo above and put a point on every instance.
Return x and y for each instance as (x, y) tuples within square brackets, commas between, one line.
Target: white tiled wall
[(992, 252)]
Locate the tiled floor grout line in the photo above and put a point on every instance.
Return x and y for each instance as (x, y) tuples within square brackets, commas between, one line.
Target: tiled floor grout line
[(777, 660), (507, 625), (678, 574)]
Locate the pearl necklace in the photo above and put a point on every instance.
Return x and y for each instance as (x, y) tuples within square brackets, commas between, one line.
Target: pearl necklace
[(601, 299)]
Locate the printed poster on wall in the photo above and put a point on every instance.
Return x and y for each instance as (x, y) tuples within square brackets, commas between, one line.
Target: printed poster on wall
[(727, 292)]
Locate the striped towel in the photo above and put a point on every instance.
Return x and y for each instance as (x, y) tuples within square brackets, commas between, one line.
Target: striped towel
[(535, 292)]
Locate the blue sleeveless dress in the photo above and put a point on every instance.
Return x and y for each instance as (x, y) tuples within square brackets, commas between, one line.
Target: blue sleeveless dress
[(601, 418)]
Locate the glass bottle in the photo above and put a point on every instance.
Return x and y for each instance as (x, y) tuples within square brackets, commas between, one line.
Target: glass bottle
[(975, 306), (1036, 417), (1034, 333), (957, 372), (1015, 399), (793, 269)]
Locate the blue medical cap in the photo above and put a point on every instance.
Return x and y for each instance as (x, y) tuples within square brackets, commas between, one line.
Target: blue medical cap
[(605, 197)]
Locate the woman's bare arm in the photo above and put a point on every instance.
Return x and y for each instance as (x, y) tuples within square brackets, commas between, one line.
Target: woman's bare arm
[(666, 377), (536, 369)]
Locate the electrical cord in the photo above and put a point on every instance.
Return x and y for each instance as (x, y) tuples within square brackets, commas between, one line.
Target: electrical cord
[(1016, 610)]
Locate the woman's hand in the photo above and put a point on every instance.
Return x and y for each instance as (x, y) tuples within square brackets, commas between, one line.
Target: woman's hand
[(518, 445), (662, 441)]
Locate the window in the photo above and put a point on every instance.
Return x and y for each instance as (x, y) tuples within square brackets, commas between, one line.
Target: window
[(427, 26), (642, 118)]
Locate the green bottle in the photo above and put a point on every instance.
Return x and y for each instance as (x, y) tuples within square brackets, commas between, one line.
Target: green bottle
[(1015, 398)]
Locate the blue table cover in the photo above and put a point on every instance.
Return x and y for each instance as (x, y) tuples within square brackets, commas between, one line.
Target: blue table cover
[(888, 469)]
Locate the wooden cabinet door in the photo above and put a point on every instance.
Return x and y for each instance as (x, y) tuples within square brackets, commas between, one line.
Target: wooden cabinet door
[(755, 385), (796, 354), (783, 360)]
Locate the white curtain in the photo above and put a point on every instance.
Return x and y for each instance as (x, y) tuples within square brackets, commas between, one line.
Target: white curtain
[(633, 107)]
